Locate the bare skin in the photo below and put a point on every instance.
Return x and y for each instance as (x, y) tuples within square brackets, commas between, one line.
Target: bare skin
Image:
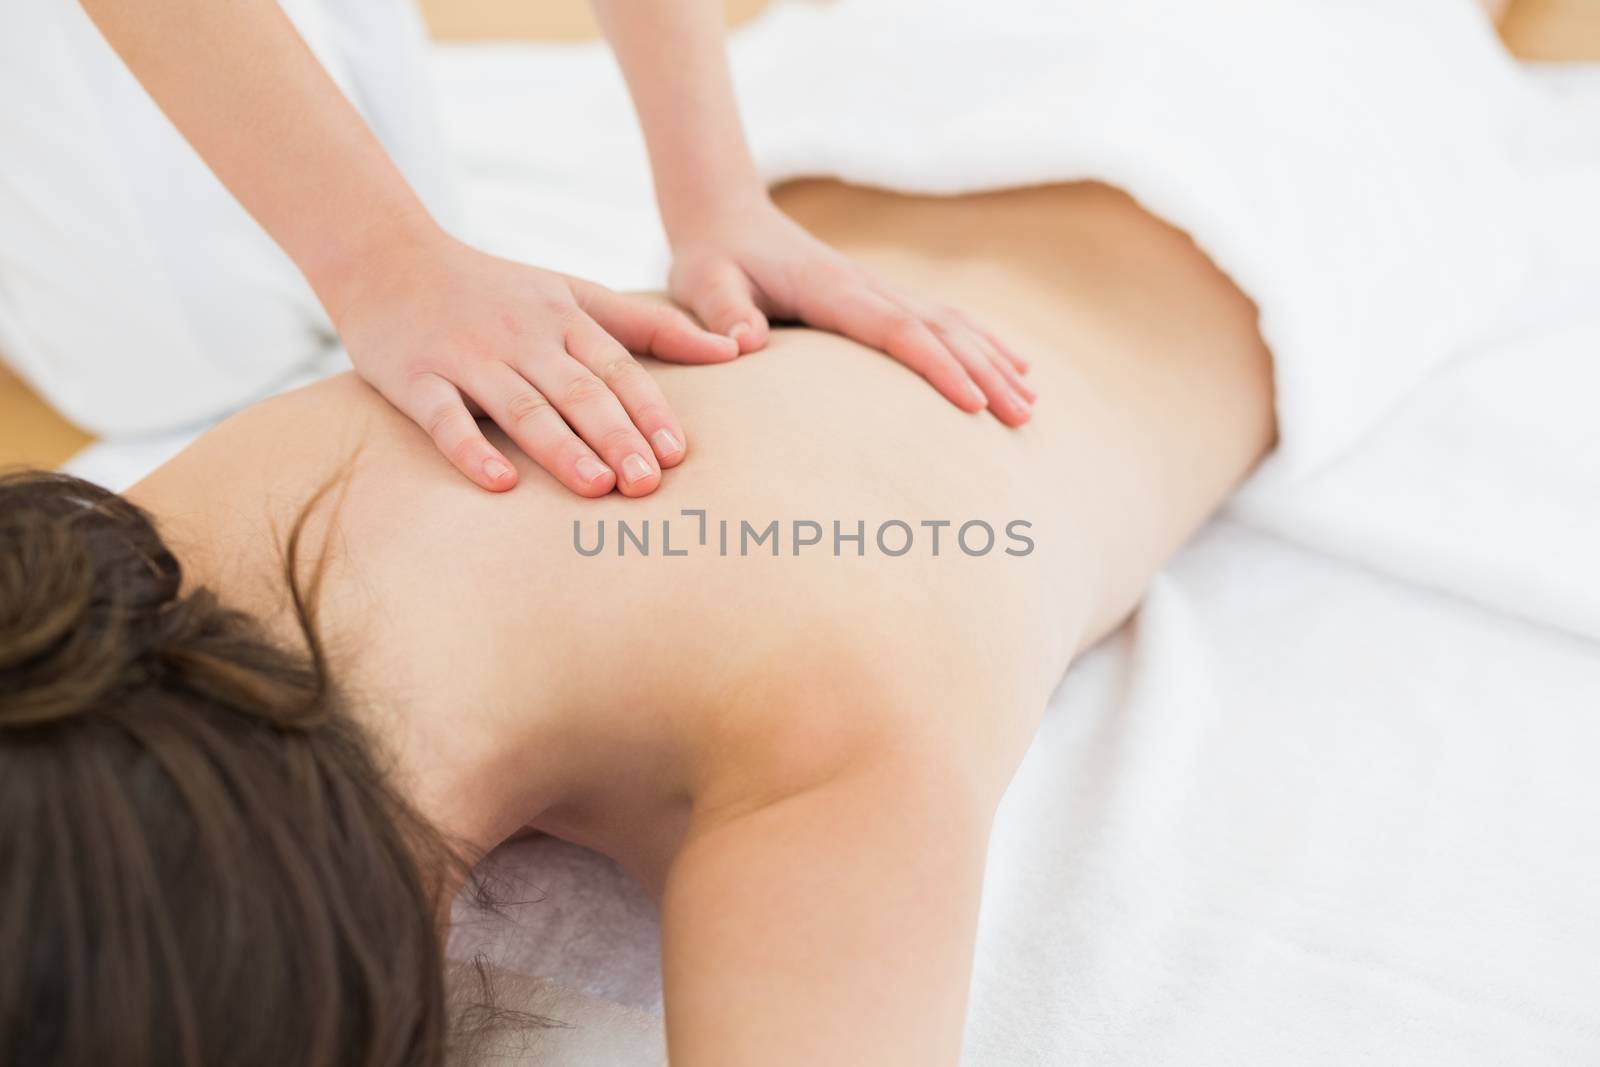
[(800, 754), (444, 331)]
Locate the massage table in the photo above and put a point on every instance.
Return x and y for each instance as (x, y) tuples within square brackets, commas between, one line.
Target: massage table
[(1327, 798)]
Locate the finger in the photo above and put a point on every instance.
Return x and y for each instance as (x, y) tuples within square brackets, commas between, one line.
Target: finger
[(1008, 405), (725, 301), (652, 328), (436, 406), (632, 385), (595, 414), (1018, 383), (1017, 362), (951, 325), (873, 319), (528, 419)]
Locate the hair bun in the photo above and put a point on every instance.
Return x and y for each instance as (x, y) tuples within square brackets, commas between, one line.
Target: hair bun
[(84, 577)]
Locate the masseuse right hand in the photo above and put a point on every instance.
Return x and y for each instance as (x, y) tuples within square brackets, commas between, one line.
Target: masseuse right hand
[(444, 331), (437, 327)]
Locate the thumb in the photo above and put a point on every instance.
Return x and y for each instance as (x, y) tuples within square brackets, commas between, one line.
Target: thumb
[(651, 326), (724, 300)]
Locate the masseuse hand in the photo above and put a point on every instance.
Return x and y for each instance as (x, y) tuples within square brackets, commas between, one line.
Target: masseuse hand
[(737, 259), (444, 330), (752, 262)]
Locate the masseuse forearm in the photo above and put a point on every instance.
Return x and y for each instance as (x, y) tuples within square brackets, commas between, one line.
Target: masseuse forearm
[(672, 55), (245, 90)]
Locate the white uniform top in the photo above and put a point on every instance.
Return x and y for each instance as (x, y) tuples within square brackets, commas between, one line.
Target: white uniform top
[(136, 294)]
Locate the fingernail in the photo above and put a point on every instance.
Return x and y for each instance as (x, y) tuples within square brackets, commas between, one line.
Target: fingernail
[(977, 394), (591, 470), (496, 470), (634, 468), (737, 329), (666, 443)]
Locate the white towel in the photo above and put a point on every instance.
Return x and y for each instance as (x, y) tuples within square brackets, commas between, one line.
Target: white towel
[(1414, 216), (1406, 206), (1297, 812)]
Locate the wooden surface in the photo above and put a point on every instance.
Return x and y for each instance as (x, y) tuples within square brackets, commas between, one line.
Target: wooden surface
[(542, 20), (30, 433), (1554, 29)]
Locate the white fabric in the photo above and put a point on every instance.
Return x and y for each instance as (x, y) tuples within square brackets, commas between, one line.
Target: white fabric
[(1402, 202), (1294, 813), (1299, 811), (135, 293), (1303, 809)]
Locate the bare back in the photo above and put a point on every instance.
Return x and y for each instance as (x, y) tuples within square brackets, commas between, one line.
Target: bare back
[(616, 667)]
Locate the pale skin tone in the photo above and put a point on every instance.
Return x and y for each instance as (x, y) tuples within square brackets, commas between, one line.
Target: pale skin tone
[(800, 755), (445, 332)]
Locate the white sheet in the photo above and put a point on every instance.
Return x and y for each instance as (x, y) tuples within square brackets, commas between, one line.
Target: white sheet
[(1304, 809), (1404, 203), (136, 295), (1296, 813)]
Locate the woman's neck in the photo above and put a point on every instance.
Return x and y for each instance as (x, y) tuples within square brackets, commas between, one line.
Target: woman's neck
[(475, 760)]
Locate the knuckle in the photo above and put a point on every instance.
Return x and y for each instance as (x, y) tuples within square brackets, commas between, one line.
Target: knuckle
[(560, 323), (586, 389), (582, 291), (619, 439), (417, 371), (525, 362), (620, 369), (441, 418), (903, 328), (559, 306), (526, 406), (654, 414)]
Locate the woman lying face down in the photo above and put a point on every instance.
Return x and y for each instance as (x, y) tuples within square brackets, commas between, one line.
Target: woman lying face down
[(234, 807), (205, 862)]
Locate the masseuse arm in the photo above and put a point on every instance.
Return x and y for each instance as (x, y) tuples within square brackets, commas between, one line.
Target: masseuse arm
[(428, 321), (737, 259)]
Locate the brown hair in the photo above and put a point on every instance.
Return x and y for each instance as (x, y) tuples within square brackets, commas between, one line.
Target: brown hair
[(203, 861)]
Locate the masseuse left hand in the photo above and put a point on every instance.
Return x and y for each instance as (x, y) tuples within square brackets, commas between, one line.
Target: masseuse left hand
[(751, 262), (737, 259)]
